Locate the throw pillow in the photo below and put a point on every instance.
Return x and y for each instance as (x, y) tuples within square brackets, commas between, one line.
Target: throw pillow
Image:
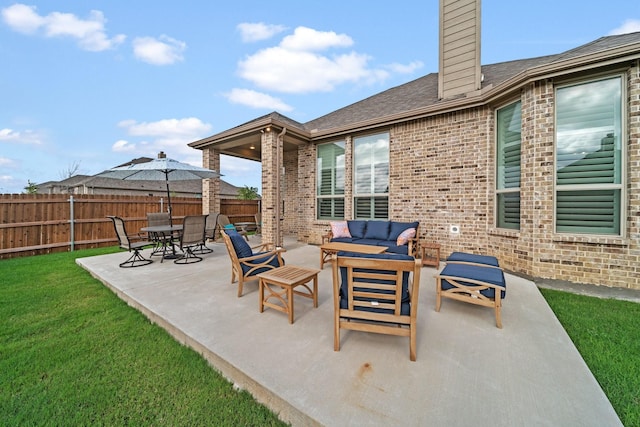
[(404, 237), (339, 229), (229, 227)]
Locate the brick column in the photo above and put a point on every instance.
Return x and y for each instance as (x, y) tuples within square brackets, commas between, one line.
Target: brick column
[(270, 182), (211, 187)]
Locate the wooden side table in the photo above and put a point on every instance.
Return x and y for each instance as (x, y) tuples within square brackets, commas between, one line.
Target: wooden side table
[(280, 284), (430, 254)]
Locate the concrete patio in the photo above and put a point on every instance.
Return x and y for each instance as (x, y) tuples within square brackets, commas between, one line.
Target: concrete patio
[(467, 373)]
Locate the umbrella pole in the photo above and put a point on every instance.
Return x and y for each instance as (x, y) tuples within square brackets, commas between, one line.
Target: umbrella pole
[(166, 176)]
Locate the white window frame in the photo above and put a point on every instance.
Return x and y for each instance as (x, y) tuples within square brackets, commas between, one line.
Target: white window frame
[(502, 176), (379, 200), (615, 187), (338, 170)]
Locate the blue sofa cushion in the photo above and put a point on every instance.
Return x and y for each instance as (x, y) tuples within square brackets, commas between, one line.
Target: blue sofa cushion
[(477, 259), (396, 228), (370, 242), (495, 276), (405, 309), (344, 239), (357, 228), (240, 245), (274, 263), (377, 230), (392, 247)]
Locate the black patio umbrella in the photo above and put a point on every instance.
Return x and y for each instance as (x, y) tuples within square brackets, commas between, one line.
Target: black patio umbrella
[(158, 169)]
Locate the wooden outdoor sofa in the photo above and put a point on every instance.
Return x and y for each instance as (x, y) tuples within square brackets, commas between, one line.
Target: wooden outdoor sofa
[(398, 237)]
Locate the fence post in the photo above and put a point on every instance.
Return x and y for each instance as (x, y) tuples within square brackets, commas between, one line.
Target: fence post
[(72, 224)]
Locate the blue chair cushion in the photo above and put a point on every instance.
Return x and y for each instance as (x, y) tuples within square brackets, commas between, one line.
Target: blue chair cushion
[(397, 228), (477, 259), (377, 230), (491, 275), (357, 228), (273, 263), (240, 245), (405, 308), (230, 227)]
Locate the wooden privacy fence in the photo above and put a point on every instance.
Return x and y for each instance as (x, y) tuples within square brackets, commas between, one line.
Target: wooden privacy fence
[(33, 224)]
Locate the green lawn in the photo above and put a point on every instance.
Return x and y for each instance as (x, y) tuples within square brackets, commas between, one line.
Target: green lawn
[(73, 353), (607, 334)]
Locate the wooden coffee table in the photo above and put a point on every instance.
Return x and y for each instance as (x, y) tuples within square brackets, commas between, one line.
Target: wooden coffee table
[(328, 249), (280, 283)]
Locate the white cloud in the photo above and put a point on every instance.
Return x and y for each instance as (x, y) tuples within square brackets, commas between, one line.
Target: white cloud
[(168, 135), (628, 26), (123, 146), (161, 51), (405, 68), (254, 99), (252, 32), (306, 39), (90, 33), (168, 128), (304, 62), (26, 137), (7, 163), (298, 71), (22, 18)]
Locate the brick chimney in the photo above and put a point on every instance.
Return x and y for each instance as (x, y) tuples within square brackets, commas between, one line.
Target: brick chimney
[(459, 65)]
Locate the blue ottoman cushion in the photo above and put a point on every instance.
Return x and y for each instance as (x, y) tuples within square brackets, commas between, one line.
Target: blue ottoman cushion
[(491, 275), (477, 259)]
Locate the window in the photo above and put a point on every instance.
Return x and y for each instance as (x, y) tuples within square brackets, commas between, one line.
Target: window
[(589, 157), (330, 181), (508, 135), (371, 177)]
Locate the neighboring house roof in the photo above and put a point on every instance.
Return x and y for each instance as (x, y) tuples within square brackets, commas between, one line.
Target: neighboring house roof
[(419, 98), (78, 183)]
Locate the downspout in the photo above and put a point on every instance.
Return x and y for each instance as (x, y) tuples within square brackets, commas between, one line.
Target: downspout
[(279, 144)]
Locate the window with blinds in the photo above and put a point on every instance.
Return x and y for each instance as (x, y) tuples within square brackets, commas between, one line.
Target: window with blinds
[(508, 137), (371, 177), (330, 180), (589, 157)]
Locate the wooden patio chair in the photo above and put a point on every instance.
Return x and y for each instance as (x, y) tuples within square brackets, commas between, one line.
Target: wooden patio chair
[(132, 244), (258, 218), (225, 224), (192, 238), (376, 293), (246, 261)]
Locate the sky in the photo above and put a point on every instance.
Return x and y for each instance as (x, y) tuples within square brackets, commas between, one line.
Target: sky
[(86, 86)]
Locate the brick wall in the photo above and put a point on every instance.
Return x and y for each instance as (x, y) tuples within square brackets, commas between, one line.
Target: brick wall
[(442, 172)]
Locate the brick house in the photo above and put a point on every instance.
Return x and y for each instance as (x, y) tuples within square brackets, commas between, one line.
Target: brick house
[(535, 161)]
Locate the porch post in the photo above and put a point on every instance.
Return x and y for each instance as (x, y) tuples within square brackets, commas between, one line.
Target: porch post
[(211, 187), (268, 185)]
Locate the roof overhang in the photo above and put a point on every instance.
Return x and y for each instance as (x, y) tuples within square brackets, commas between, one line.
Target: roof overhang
[(245, 140)]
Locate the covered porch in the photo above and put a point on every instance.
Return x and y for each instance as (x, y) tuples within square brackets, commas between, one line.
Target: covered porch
[(273, 141)]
